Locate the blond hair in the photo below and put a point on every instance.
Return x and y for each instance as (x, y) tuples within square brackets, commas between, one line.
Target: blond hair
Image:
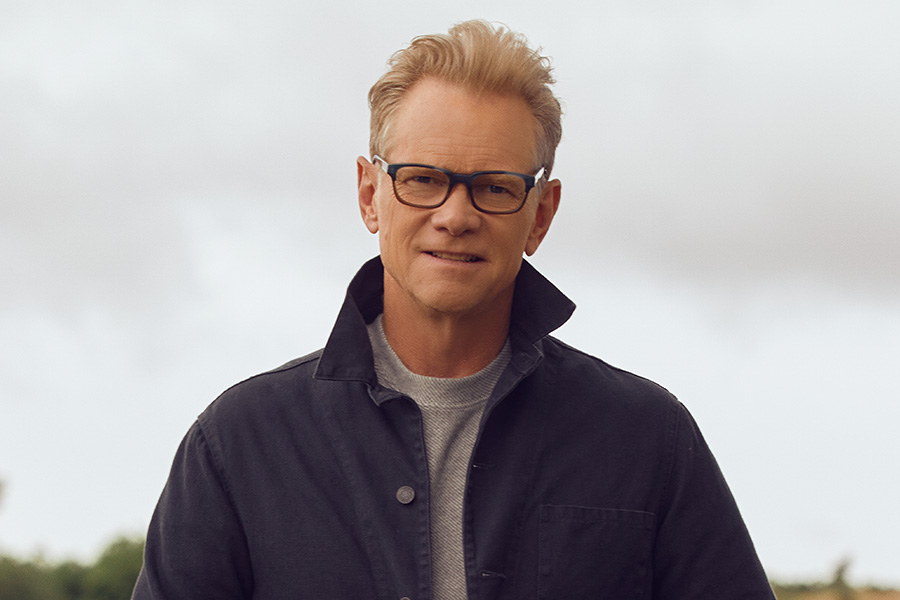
[(482, 58)]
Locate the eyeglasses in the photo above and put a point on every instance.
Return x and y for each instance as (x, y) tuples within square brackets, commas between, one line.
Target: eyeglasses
[(492, 192)]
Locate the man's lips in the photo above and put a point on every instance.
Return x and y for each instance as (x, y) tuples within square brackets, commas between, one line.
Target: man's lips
[(457, 256)]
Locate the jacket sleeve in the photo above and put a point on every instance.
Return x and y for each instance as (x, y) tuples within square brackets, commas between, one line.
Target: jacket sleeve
[(196, 547), (703, 549)]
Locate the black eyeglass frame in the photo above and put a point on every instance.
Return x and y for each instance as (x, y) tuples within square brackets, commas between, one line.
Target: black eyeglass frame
[(464, 178)]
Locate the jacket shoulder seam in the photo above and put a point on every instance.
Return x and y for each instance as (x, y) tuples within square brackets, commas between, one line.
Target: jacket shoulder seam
[(591, 357), (288, 366), (208, 439)]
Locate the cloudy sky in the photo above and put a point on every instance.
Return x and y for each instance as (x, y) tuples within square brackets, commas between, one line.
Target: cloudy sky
[(177, 212)]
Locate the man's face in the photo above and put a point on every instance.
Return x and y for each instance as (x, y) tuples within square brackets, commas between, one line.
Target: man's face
[(455, 259)]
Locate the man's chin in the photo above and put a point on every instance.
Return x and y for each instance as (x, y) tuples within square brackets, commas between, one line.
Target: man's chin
[(449, 303), (463, 300)]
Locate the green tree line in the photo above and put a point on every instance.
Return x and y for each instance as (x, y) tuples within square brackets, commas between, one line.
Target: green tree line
[(110, 577)]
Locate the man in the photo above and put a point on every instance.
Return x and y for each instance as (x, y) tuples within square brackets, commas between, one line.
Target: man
[(442, 445)]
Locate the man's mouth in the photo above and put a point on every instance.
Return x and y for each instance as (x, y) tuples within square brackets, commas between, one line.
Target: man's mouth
[(456, 257)]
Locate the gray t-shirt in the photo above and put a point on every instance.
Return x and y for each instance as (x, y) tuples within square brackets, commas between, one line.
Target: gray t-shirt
[(451, 411)]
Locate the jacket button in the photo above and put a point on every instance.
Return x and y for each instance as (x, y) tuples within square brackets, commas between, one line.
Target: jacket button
[(405, 494)]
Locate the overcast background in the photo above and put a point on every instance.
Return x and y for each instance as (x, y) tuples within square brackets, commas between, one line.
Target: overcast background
[(178, 212)]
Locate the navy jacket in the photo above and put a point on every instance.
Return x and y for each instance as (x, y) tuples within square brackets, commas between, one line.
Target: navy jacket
[(310, 481)]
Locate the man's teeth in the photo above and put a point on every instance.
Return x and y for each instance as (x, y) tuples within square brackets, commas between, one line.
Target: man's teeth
[(459, 257)]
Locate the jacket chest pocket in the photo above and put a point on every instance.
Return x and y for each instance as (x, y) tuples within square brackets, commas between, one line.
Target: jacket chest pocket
[(595, 553)]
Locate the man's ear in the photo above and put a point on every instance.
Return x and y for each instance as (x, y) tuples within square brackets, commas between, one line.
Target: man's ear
[(366, 179), (548, 203)]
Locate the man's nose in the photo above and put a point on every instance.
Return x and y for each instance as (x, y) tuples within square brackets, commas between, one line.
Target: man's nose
[(457, 214)]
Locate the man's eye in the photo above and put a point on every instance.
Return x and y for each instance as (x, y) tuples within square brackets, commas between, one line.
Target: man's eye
[(497, 189)]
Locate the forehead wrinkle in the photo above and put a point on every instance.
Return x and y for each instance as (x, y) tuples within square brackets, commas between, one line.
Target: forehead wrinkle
[(481, 154), (478, 157)]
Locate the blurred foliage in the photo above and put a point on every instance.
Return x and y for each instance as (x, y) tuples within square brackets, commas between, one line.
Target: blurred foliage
[(796, 591), (828, 591), (837, 589), (111, 577)]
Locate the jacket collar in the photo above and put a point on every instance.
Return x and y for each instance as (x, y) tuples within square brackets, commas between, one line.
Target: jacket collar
[(538, 309)]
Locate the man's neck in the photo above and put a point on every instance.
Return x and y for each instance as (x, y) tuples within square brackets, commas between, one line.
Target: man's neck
[(445, 345)]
